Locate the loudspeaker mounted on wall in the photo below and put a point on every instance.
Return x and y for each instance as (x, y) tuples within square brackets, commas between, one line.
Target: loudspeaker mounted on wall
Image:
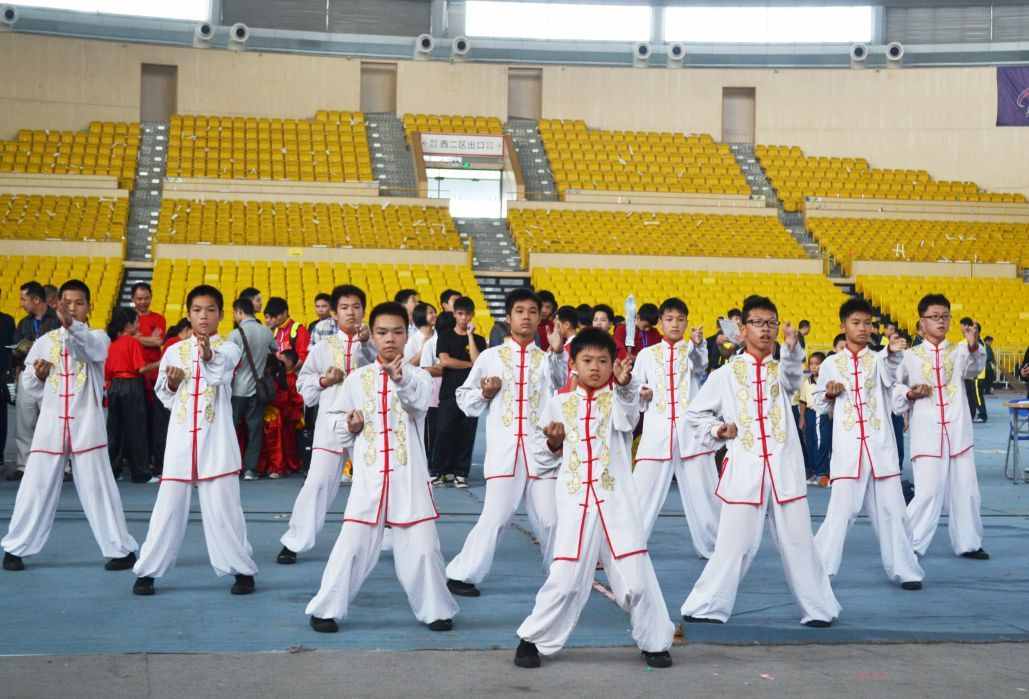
[(8, 16), (202, 35), (238, 35), (858, 55), (641, 54), (894, 54), (423, 46), (676, 53), (460, 47)]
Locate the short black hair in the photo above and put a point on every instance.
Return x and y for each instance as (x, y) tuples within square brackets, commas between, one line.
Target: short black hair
[(567, 314), (120, 318), (522, 293), (546, 297), (988, 338), (347, 290), (820, 356), (275, 306), (839, 338), (804, 324), (75, 285), (854, 305), (140, 285), (585, 313), (734, 313), (447, 294), (404, 294), (244, 306), (606, 310), (34, 290), (388, 308), (420, 314), (445, 321), (648, 312), (755, 302), (967, 321), (594, 338), (323, 297), (205, 290), (673, 304), (464, 304), (176, 329), (932, 300), (249, 293), (51, 291), (291, 354)]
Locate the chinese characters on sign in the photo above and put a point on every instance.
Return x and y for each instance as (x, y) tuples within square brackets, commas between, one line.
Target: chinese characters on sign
[(462, 144)]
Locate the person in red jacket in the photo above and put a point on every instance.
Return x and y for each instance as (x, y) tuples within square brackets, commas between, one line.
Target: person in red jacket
[(646, 331), (150, 329), (283, 421), (289, 334), (126, 396)]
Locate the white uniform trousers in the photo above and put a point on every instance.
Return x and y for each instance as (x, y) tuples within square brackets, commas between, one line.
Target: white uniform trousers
[(40, 492), (26, 413), (416, 558), (883, 502), (225, 529), (502, 498), (739, 538), (314, 500), (569, 584), (697, 480), (946, 483)]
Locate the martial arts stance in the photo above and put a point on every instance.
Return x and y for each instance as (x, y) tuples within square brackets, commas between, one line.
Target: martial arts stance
[(195, 383), (321, 383), (929, 388), (854, 387), (64, 373), (670, 373), (514, 381), (588, 433), (746, 403), (380, 414)]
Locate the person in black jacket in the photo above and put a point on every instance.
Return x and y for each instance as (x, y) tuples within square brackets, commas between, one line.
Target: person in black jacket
[(6, 375)]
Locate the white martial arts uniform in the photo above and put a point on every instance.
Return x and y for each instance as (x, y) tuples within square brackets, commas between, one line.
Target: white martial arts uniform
[(942, 458), (667, 447), (763, 470), (864, 470), (391, 486), (71, 427), (598, 518), (511, 468), (26, 414), (202, 452), (346, 353)]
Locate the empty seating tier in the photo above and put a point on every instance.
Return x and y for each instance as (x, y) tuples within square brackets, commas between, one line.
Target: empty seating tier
[(445, 123), (796, 176), (708, 295), (34, 217), (306, 225), (636, 233), (101, 274), (638, 161), (331, 148), (106, 148)]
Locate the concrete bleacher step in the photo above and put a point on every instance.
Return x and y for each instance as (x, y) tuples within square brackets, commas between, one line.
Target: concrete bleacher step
[(536, 173), (392, 163), (493, 248), (754, 173), (495, 288), (145, 202)]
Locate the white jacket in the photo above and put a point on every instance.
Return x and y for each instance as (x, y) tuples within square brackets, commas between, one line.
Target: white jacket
[(755, 395), (862, 432), (942, 422), (673, 373), (71, 413)]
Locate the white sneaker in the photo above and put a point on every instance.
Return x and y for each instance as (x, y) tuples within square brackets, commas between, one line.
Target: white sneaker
[(275, 476), (249, 476), (437, 482), (344, 479), (153, 480), (460, 482)]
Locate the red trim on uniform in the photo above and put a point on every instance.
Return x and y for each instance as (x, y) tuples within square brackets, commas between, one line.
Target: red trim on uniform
[(66, 445), (328, 451), (403, 525), (196, 412), (67, 453), (520, 434), (384, 492), (205, 478)]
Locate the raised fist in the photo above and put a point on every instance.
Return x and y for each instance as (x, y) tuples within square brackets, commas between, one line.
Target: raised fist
[(919, 391), (834, 388), (555, 434), (355, 422), (42, 369), (646, 394), (727, 430), (332, 376), (490, 386), (175, 376)]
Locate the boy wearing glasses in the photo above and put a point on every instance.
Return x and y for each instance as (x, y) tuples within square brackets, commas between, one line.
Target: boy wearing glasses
[(929, 389), (745, 404)]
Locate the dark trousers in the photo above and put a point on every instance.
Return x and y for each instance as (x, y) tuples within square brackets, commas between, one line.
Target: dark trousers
[(818, 443), (248, 417), (306, 436), (980, 396), (430, 435), (455, 438), (160, 416), (800, 433), (126, 436), (5, 400), (898, 433), (973, 400)]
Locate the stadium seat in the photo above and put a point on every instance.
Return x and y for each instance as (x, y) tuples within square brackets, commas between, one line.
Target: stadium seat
[(35, 217), (106, 148), (101, 274), (455, 124)]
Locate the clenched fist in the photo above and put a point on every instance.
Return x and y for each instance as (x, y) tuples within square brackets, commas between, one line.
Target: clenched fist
[(42, 369), (834, 388), (727, 430), (555, 434), (332, 376), (919, 391), (646, 394), (175, 376), (490, 386), (204, 342), (898, 343), (355, 422)]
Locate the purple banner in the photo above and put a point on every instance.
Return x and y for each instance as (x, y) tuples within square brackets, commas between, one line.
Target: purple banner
[(1012, 96)]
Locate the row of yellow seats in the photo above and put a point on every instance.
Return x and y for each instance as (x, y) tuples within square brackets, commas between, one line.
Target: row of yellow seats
[(102, 275), (106, 148), (1001, 306), (333, 116), (288, 223), (444, 123), (572, 128), (35, 217)]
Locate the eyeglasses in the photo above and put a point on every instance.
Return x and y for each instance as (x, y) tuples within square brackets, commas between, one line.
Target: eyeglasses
[(763, 324), (937, 319)]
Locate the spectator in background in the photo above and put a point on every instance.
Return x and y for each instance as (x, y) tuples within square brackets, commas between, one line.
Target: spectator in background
[(839, 343), (585, 315), (254, 297), (124, 370), (50, 291), (603, 317), (548, 309), (408, 298), (429, 361), (803, 329), (498, 333), (289, 334), (446, 300), (646, 333), (970, 391), (980, 383), (6, 376), (991, 366), (424, 319), (247, 411), (816, 430), (719, 346), (283, 420), (150, 330), (175, 334), (324, 324)]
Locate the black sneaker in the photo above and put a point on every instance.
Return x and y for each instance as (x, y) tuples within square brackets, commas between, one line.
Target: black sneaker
[(911, 585), (286, 557), (700, 620), (14, 475), (818, 624), (462, 589), (324, 625), (143, 586), (441, 625), (123, 563), (977, 555), (661, 659), (527, 655), (244, 585), (12, 562)]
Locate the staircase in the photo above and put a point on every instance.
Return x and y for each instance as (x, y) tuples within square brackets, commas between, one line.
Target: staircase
[(493, 248), (536, 173), (132, 276), (391, 158), (494, 289), (145, 200)]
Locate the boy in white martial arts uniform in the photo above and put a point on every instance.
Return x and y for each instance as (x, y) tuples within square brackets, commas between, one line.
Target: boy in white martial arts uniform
[(929, 390), (588, 430), (380, 414), (670, 373), (321, 383), (514, 380), (64, 373), (855, 389), (746, 403), (195, 383)]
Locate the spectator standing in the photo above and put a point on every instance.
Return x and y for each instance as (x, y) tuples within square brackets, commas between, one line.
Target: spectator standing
[(247, 410)]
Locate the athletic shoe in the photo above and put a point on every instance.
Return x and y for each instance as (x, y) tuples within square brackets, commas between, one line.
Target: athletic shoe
[(275, 476), (437, 482), (154, 480), (818, 624), (249, 476), (978, 555), (123, 563), (286, 557), (462, 589), (244, 585), (12, 562), (911, 585), (527, 655), (324, 625), (441, 625), (345, 479), (143, 586), (813, 480), (823, 482), (661, 659), (460, 482)]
